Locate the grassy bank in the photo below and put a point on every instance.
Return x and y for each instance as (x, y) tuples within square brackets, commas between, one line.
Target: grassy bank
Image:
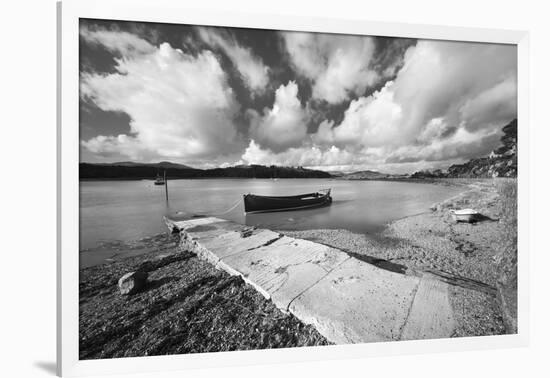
[(507, 259)]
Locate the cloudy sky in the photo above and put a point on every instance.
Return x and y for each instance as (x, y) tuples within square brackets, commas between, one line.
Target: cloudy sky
[(208, 97)]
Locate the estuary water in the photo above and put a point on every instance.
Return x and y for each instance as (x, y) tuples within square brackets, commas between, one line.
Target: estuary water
[(128, 210)]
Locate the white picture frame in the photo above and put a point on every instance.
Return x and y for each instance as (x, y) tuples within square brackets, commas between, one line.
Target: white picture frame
[(166, 11)]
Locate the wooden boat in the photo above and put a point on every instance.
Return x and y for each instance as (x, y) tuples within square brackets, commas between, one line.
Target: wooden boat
[(259, 204), (465, 215)]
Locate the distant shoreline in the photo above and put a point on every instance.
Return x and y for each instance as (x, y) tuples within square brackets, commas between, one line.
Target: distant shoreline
[(203, 178), (104, 171), (459, 181)]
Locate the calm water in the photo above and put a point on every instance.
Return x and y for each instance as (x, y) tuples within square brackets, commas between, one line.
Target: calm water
[(128, 210)]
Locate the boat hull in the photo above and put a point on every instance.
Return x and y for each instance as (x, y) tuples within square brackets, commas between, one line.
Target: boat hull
[(463, 218), (466, 215), (263, 204)]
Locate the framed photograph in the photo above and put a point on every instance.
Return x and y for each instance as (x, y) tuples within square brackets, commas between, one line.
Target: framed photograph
[(240, 189)]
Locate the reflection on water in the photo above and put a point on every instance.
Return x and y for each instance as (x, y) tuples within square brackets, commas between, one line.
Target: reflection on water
[(295, 220), (127, 210)]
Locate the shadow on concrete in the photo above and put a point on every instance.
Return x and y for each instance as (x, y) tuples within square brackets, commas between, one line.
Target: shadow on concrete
[(380, 263)]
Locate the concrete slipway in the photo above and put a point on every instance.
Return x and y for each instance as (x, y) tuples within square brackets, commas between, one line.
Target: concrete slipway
[(347, 300)]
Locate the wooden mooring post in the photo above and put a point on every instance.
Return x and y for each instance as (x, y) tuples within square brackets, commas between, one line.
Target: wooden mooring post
[(166, 185)]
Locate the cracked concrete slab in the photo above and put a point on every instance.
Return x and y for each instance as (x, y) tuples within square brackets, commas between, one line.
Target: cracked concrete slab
[(284, 269), (358, 302), (213, 239), (431, 315), (346, 299)]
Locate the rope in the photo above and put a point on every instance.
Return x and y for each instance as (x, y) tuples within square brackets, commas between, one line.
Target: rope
[(233, 207)]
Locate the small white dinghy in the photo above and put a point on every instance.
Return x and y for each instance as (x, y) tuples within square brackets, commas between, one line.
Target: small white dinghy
[(465, 215)]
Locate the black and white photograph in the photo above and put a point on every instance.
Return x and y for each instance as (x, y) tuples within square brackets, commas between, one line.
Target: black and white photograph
[(249, 189)]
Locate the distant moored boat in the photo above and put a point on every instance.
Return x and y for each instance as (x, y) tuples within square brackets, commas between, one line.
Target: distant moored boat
[(159, 180), (257, 204)]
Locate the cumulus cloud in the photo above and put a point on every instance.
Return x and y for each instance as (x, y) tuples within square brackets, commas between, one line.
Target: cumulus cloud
[(372, 121), (492, 106), (121, 42), (337, 65), (250, 67), (122, 144), (284, 125), (436, 103), (445, 100), (180, 105), (463, 144), (297, 156)]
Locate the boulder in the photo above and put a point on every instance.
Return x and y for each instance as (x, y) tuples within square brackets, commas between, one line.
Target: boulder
[(132, 282)]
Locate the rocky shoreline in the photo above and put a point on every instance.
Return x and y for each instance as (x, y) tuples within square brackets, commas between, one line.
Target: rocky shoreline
[(190, 307)]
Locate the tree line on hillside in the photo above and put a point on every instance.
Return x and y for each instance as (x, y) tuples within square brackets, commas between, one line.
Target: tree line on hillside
[(89, 171)]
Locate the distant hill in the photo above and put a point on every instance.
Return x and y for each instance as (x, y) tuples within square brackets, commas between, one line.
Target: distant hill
[(136, 171), (365, 175), (162, 164), (502, 162), (337, 173), (372, 175)]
